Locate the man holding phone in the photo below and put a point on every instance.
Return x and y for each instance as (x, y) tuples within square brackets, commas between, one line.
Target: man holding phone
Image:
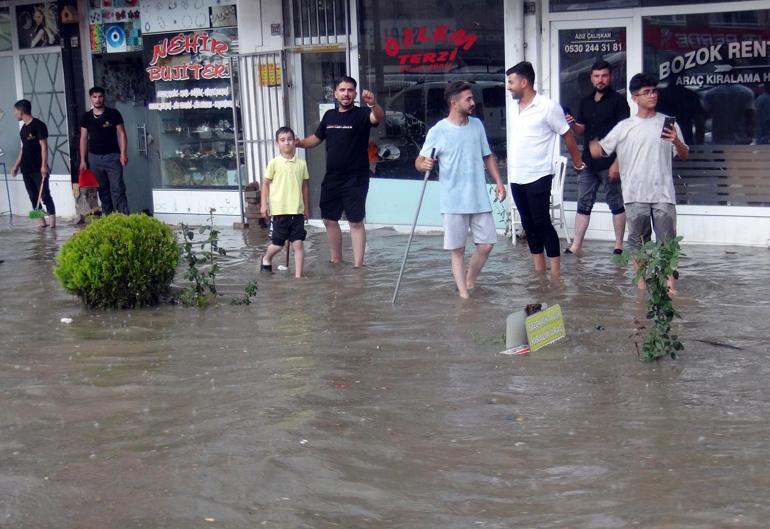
[(645, 146), (597, 113)]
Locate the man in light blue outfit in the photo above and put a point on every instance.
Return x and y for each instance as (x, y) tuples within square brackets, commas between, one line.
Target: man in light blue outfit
[(462, 151)]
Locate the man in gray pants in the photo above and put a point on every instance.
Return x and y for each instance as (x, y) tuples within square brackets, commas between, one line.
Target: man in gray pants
[(103, 145)]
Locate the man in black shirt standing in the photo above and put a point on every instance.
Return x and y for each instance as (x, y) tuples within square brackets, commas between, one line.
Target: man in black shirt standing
[(346, 183), (103, 145), (33, 160), (597, 114)]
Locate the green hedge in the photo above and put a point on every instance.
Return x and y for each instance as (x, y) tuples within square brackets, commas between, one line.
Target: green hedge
[(119, 261)]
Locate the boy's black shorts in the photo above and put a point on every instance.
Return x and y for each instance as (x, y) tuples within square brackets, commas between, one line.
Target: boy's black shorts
[(287, 228)]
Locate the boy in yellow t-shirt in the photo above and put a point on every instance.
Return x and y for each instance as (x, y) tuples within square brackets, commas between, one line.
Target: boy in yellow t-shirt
[(285, 197)]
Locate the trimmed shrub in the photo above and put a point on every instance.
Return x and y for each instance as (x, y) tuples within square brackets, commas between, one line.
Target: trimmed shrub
[(119, 261)]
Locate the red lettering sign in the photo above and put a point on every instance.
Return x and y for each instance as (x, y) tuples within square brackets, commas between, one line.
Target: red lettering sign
[(434, 59), (188, 44)]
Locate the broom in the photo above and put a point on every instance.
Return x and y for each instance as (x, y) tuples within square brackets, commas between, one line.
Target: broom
[(38, 212)]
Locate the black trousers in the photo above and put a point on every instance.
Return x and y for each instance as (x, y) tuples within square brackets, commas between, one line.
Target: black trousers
[(32, 183), (533, 201)]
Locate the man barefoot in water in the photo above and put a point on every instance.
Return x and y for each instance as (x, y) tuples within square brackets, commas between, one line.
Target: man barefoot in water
[(462, 151)]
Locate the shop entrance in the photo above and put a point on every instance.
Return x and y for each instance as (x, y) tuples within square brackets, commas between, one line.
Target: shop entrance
[(122, 76), (579, 45), (319, 72)]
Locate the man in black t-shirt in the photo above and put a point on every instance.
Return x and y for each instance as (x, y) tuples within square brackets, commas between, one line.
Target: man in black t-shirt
[(597, 114), (103, 145), (33, 160), (346, 183)]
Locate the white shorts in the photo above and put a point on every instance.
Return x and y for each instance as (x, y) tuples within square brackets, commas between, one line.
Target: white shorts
[(456, 226)]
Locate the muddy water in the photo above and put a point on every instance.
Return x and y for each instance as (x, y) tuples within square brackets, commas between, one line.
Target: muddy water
[(324, 406)]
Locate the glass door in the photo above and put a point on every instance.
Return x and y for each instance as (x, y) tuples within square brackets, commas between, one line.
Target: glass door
[(578, 45), (319, 73)]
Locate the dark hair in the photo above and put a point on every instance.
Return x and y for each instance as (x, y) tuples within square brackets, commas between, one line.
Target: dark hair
[(24, 106), (641, 80), (523, 69), (96, 90), (284, 130), (454, 88), (346, 79), (601, 64)]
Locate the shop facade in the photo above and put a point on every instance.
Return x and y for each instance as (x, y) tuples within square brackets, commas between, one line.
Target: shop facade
[(203, 85)]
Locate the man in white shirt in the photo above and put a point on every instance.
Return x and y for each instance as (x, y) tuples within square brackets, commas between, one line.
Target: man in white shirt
[(645, 150), (537, 124)]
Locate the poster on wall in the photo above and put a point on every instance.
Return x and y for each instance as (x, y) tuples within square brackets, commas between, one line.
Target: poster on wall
[(578, 50), (115, 26), (37, 25), (162, 16)]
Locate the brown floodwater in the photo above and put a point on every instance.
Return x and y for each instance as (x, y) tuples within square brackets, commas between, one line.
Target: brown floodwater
[(322, 405)]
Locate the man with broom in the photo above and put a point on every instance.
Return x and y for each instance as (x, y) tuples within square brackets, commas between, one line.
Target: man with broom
[(33, 163), (462, 151)]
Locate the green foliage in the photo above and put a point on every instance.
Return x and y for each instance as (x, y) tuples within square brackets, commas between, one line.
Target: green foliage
[(202, 267), (119, 261), (249, 292), (655, 263)]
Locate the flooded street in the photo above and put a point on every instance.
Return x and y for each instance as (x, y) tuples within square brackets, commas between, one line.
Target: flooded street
[(322, 405)]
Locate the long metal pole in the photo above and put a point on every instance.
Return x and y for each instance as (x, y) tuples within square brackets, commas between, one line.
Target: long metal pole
[(414, 225), (236, 139)]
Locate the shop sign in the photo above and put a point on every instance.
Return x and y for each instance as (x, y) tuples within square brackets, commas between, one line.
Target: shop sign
[(545, 328), (406, 48), (192, 99), (269, 75), (191, 44), (725, 73)]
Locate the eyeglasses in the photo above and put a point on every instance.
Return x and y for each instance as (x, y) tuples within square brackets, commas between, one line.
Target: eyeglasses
[(648, 93)]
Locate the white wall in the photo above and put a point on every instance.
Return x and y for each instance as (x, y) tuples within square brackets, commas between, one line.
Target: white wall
[(61, 191), (254, 20)]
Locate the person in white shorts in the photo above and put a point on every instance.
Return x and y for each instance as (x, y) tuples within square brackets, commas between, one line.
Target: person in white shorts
[(462, 152)]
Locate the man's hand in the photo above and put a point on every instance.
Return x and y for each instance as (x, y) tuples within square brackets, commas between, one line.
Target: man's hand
[(14, 170), (613, 174), (425, 164), (123, 160), (306, 213), (264, 210), (570, 119), (500, 190), (44, 171), (367, 96), (83, 165)]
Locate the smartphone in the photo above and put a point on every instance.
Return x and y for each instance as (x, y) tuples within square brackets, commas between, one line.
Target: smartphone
[(668, 123), (567, 111)]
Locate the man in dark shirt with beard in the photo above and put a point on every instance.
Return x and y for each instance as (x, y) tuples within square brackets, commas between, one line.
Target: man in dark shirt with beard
[(598, 113), (103, 146), (346, 183)]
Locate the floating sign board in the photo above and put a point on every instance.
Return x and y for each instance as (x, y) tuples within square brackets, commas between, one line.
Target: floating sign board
[(545, 328)]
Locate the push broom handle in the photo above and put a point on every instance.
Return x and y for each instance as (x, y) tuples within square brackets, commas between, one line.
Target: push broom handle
[(40, 193), (414, 225)]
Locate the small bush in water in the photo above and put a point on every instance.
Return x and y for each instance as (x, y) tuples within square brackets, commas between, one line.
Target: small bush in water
[(119, 261)]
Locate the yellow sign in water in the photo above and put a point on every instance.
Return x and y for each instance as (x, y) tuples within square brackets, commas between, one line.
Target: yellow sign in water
[(545, 328)]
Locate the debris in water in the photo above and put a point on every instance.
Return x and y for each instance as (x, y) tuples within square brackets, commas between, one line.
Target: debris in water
[(303, 442), (66, 320), (601, 328), (209, 519)]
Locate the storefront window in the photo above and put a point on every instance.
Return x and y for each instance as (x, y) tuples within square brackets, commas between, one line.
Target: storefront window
[(5, 29), (556, 6), (410, 50), (191, 97), (715, 79)]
